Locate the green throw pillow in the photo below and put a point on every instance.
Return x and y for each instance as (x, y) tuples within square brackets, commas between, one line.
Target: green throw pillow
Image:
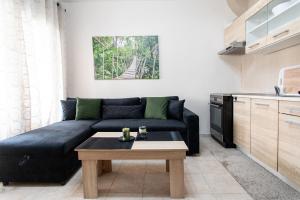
[(156, 107), (88, 109)]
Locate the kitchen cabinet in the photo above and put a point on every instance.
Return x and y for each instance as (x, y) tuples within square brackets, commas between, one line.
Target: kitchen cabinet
[(289, 139), (282, 14), (274, 132), (290, 107), (284, 32), (241, 123), (289, 149), (235, 32), (256, 7), (264, 131), (256, 29), (258, 44), (273, 27)]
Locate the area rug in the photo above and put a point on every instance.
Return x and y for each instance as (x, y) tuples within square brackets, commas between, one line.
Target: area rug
[(256, 180)]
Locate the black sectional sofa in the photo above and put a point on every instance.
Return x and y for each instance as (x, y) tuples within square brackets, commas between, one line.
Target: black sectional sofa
[(47, 154)]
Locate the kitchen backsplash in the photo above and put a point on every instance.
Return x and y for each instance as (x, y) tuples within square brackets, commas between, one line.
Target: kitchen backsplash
[(259, 73)]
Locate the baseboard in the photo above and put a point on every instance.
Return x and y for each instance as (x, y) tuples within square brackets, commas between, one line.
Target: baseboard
[(274, 172)]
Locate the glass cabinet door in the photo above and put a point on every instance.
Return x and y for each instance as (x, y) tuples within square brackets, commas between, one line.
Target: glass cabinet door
[(282, 12), (257, 26)]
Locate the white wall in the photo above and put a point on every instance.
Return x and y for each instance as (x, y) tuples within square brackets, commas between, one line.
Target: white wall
[(190, 35)]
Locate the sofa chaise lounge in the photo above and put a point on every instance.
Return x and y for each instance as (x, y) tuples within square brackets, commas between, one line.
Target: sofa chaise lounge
[(47, 154)]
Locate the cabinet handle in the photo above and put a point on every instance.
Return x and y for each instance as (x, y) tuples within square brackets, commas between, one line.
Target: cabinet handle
[(262, 104), (281, 33), (254, 45), (292, 122)]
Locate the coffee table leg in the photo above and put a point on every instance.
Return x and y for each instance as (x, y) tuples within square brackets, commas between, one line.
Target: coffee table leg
[(90, 179), (167, 166), (176, 178), (100, 167), (106, 166)]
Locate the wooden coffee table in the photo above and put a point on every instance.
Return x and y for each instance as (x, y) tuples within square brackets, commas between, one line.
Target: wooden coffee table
[(97, 152)]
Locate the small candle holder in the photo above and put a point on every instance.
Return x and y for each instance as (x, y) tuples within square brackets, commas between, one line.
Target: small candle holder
[(142, 132), (126, 133)]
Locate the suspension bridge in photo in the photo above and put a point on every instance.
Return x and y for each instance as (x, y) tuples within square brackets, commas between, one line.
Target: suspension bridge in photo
[(131, 71)]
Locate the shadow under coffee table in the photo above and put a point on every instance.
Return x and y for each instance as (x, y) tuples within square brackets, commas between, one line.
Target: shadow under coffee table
[(97, 152)]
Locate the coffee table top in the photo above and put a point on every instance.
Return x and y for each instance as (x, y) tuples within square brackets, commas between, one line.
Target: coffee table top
[(160, 141)]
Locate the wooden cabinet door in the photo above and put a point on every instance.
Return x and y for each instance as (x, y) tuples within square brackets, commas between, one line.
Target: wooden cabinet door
[(257, 45), (290, 107), (241, 123), (289, 147), (285, 32), (235, 32), (264, 131)]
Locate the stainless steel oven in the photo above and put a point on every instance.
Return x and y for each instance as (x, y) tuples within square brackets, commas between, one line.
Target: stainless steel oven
[(221, 119)]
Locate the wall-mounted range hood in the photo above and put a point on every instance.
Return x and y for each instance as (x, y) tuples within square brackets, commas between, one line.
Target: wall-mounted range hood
[(235, 48)]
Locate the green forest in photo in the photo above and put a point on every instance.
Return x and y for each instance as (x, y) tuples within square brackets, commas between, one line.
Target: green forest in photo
[(126, 57)]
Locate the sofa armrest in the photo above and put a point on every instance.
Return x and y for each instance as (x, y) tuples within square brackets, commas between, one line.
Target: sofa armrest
[(191, 121)]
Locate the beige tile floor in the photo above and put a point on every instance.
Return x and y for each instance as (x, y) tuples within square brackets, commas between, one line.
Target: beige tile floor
[(205, 179)]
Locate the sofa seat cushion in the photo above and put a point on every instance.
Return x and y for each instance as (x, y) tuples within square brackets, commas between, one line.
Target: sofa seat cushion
[(133, 124), (57, 139)]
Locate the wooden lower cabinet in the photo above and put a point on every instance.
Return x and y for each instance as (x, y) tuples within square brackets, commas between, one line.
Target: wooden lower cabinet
[(290, 107), (264, 131), (270, 131), (289, 147), (241, 123)]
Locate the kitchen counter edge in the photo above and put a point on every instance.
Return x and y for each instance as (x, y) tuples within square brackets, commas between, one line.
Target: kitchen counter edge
[(270, 97)]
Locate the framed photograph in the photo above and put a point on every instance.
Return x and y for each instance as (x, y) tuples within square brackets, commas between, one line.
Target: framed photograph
[(126, 57)]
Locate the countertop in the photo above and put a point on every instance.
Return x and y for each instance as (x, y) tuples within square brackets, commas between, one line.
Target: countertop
[(267, 96)]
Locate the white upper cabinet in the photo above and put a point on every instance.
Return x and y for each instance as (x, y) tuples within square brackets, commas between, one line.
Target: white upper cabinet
[(274, 26), (282, 12), (256, 26), (257, 30)]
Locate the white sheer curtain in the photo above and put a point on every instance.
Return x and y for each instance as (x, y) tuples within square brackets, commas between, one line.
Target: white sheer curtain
[(31, 82)]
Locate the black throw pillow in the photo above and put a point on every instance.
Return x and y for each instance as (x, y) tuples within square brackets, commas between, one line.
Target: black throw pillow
[(122, 112), (68, 109), (175, 109), (71, 99)]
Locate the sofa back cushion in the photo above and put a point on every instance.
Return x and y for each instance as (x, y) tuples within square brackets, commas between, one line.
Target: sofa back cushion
[(122, 102), (144, 99), (122, 112), (68, 109), (88, 109), (175, 109), (156, 108), (170, 98)]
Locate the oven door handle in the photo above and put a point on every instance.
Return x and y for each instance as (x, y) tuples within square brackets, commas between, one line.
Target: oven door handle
[(215, 105)]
